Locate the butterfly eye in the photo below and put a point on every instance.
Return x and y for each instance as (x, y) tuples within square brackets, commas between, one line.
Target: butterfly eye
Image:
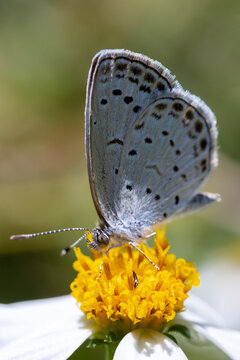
[(100, 239)]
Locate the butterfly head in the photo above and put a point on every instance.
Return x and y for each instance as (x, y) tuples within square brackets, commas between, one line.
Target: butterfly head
[(100, 239)]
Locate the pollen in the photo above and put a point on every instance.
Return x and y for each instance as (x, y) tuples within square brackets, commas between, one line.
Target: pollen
[(130, 292)]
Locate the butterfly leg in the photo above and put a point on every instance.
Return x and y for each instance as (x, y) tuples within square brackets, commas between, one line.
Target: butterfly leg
[(112, 247), (100, 270), (135, 247), (150, 235)]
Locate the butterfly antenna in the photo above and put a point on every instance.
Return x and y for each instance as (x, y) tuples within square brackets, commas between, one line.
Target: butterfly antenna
[(67, 249), (28, 236)]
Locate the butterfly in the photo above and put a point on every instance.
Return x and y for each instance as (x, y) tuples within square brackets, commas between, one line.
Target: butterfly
[(150, 145)]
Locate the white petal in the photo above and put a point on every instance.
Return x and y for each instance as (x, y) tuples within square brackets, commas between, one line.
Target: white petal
[(227, 340), (41, 329), (20, 318), (223, 274), (148, 344), (198, 311)]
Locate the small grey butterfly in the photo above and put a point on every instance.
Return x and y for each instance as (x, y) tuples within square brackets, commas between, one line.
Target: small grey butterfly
[(150, 145)]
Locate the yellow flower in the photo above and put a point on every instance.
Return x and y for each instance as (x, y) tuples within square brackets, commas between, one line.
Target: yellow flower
[(132, 303), (131, 292)]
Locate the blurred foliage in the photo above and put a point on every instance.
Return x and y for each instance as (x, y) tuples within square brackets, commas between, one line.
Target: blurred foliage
[(46, 49)]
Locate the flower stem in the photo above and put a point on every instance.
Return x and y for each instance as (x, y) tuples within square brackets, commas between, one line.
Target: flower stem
[(109, 350)]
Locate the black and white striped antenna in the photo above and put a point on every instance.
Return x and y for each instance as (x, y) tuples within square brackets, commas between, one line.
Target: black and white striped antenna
[(49, 232)]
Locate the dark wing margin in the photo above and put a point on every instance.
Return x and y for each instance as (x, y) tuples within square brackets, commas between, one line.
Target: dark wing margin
[(88, 116)]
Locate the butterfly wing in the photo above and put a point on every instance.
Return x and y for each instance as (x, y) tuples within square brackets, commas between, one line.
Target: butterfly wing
[(150, 145), (167, 155), (121, 85)]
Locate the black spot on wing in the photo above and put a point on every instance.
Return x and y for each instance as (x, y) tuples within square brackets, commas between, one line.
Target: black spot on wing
[(145, 88), (203, 144), (128, 99), (189, 114), (121, 66), (117, 92), (133, 80), (139, 126), (119, 76), (149, 77), (104, 101), (161, 86), (156, 116), (198, 126), (137, 108), (171, 113), (132, 152), (136, 70), (115, 141), (161, 106), (177, 106)]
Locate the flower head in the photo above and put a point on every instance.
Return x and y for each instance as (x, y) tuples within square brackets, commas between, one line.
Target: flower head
[(131, 292), (130, 302)]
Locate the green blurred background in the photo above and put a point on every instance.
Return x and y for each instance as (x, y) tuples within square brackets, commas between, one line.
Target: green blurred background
[(46, 49)]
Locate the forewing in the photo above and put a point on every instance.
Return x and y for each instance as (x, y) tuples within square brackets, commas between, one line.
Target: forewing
[(167, 155), (121, 85)]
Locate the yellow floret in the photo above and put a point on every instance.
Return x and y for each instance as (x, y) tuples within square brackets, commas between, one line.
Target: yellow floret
[(131, 292)]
